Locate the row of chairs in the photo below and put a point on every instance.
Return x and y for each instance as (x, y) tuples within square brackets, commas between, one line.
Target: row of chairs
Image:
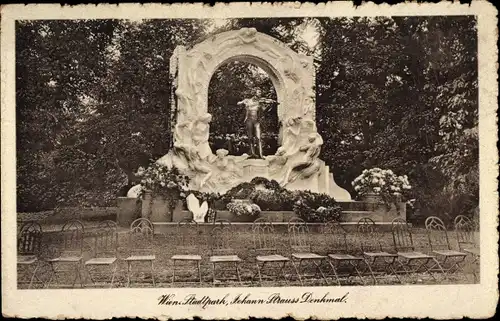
[(375, 259)]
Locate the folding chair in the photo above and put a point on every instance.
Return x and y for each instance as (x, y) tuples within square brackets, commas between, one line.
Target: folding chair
[(378, 261), (104, 252), (409, 260), (341, 263), (264, 240), (188, 234), (70, 257), (28, 251), (221, 252), (465, 231), (298, 236), (140, 245), (449, 260)]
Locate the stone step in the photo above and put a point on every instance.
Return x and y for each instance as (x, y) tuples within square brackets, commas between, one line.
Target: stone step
[(358, 206)]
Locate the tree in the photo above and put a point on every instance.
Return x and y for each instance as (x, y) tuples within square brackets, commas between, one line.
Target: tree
[(57, 65)]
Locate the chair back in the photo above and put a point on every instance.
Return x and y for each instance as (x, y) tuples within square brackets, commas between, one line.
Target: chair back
[(401, 235), (72, 234), (141, 235), (298, 235), (264, 239), (465, 231), (221, 238), (188, 235), (335, 237), (369, 238), (29, 241), (105, 240), (437, 234)]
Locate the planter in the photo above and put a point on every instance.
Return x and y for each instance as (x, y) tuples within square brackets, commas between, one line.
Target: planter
[(278, 216), (129, 209), (157, 208), (371, 198), (227, 215)]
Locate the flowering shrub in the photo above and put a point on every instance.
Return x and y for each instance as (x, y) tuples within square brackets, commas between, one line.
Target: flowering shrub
[(270, 200), (240, 208), (160, 180), (315, 207), (382, 182)]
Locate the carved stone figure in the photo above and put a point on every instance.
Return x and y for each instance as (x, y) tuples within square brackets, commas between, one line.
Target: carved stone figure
[(254, 106), (200, 132), (308, 162), (291, 131), (277, 163)]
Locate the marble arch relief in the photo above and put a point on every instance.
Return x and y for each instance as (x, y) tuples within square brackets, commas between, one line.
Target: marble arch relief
[(295, 165)]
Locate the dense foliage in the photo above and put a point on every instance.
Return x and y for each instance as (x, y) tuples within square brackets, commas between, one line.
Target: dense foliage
[(270, 196), (93, 100)]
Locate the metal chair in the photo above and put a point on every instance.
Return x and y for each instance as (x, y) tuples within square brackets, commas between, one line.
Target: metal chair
[(298, 236), (28, 251), (188, 234), (341, 263), (266, 253), (465, 231), (70, 252), (378, 260), (104, 251), (221, 252), (411, 261), (140, 245), (449, 260)]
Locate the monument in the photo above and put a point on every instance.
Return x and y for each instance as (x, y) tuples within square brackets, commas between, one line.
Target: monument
[(295, 165)]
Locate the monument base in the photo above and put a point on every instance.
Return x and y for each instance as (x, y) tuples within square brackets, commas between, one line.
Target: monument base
[(225, 172)]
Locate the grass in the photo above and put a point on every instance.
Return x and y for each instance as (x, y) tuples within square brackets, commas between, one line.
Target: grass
[(165, 246)]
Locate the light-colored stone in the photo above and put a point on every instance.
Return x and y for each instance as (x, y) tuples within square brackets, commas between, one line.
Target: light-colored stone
[(194, 207), (296, 164), (135, 191)]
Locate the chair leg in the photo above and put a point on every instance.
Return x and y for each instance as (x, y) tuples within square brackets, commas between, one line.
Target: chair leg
[(355, 266), (173, 272), (318, 267), (368, 265), (297, 271), (129, 271), (89, 273), (213, 273), (53, 274), (238, 272), (199, 270), (77, 272), (258, 271), (334, 270), (153, 273), (113, 275), (282, 270), (33, 275)]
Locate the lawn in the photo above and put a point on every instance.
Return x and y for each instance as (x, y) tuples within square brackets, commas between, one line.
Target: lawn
[(167, 245)]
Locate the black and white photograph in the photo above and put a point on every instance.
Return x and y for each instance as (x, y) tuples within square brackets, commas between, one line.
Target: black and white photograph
[(317, 152)]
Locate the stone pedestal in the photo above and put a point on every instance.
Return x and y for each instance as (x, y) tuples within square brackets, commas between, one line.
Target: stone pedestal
[(129, 209), (156, 208), (255, 168)]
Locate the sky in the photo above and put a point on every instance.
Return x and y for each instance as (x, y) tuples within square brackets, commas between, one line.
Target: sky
[(309, 32)]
